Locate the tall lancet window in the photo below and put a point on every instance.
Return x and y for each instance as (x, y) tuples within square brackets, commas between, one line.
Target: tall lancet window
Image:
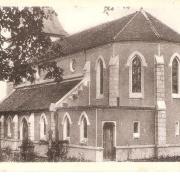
[(66, 124), (66, 127), (8, 130), (43, 127), (136, 63), (84, 123), (100, 78), (136, 75), (175, 76)]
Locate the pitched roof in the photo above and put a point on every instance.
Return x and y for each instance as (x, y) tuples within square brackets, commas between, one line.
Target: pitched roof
[(139, 26), (38, 97)]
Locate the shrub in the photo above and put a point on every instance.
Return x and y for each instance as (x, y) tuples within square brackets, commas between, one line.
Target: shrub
[(6, 155), (43, 142), (58, 150), (27, 151)]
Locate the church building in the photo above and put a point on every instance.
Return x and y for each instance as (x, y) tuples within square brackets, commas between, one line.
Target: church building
[(119, 99)]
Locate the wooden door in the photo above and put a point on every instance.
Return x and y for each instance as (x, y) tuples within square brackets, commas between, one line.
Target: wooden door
[(108, 141)]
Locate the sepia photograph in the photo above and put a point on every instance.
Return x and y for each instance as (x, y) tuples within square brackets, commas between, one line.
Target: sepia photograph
[(90, 81)]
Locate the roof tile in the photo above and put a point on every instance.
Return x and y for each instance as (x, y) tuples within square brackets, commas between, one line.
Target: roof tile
[(143, 27), (38, 97)]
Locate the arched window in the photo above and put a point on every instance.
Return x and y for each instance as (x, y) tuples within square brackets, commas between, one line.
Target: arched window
[(84, 122), (24, 129), (66, 126), (136, 63), (43, 127), (100, 78), (175, 76), (84, 127), (136, 75), (1, 126), (8, 127)]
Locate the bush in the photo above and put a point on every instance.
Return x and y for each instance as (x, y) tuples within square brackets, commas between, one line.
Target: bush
[(58, 150), (5, 154), (57, 153), (27, 151), (43, 142)]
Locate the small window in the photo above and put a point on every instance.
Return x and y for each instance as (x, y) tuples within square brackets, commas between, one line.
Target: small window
[(177, 128), (72, 65), (136, 129)]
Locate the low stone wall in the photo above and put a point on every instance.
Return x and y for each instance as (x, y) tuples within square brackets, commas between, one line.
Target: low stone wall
[(134, 152), (86, 152), (40, 149), (11, 143), (168, 151), (123, 153), (76, 151)]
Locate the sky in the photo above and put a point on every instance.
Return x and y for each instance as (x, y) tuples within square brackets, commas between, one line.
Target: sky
[(77, 15)]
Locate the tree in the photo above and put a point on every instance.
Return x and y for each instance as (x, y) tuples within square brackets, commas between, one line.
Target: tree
[(24, 45)]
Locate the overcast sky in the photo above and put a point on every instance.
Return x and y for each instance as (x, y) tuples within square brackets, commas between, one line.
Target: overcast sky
[(76, 15)]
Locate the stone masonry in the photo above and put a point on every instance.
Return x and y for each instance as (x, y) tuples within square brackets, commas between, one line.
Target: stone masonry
[(113, 81), (161, 106)]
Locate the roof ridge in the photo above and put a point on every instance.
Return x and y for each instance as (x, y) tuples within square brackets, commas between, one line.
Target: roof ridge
[(137, 12), (150, 23)]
